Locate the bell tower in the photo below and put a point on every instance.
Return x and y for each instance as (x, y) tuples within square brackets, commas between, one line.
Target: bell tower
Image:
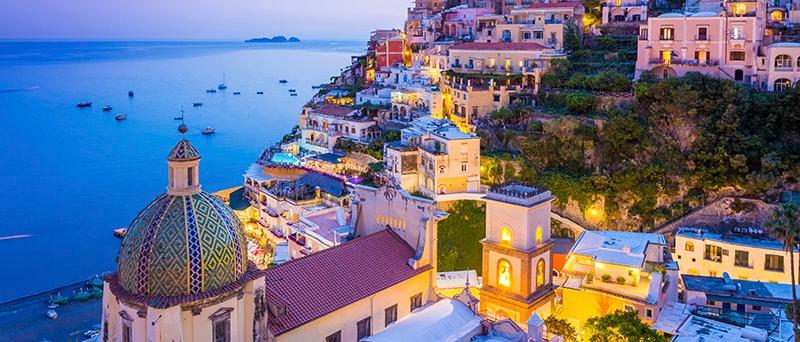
[(517, 259), (183, 168)]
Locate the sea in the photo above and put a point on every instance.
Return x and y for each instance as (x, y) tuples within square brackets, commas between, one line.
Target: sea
[(69, 176)]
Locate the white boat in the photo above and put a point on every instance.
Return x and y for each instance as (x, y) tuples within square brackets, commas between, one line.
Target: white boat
[(208, 130), (222, 86), (120, 232), (107, 108), (52, 306), (52, 314), (120, 117)]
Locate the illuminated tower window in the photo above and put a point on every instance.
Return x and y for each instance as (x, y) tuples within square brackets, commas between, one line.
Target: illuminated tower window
[(505, 236), (539, 237), (540, 273), (739, 9), (504, 273)]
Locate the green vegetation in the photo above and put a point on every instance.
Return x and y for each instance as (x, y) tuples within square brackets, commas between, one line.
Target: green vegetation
[(459, 245), (660, 153), (374, 149), (621, 326), (785, 226), (562, 328)]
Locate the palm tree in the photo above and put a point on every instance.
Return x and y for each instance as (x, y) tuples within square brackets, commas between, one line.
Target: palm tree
[(785, 225)]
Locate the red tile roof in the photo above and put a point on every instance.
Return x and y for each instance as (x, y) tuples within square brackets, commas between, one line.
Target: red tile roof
[(333, 110), (325, 281), (498, 46)]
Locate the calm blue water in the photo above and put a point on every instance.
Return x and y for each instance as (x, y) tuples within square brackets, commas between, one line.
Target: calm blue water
[(69, 176)]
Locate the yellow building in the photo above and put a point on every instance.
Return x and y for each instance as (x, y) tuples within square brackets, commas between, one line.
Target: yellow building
[(434, 157), (517, 259), (746, 254), (609, 271)]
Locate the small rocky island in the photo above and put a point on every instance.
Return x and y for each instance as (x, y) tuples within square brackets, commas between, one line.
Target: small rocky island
[(276, 39)]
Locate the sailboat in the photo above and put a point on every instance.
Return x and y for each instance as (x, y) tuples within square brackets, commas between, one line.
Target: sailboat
[(222, 86)]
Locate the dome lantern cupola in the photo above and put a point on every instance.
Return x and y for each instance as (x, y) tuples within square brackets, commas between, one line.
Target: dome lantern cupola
[(183, 169)]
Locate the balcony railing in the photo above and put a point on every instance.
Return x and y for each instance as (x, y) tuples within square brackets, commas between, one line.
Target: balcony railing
[(687, 63)]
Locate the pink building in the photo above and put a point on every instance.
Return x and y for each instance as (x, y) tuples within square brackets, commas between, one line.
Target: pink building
[(461, 22)]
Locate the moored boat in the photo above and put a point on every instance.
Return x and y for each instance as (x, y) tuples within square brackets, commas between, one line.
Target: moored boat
[(292, 94), (107, 108), (222, 86), (237, 93), (197, 104), (120, 232), (211, 91), (130, 93), (120, 117), (209, 130), (259, 93), (283, 81), (52, 314), (84, 104)]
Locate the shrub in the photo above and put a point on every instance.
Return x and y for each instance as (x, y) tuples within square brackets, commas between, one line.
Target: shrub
[(606, 277), (590, 277), (607, 42), (580, 103), (621, 280), (578, 81), (611, 81)]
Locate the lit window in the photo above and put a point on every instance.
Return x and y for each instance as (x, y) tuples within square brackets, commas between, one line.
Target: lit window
[(739, 9), (689, 246), (539, 235), (504, 273), (505, 235), (666, 33), (777, 16), (773, 262), (540, 273)]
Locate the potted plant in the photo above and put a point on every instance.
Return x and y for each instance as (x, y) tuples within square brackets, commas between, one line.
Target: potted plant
[(606, 277), (621, 280), (590, 277)]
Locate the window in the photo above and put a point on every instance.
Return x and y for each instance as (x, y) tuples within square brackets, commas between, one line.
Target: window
[(335, 337), (506, 37), (539, 235), (390, 315), (666, 33), (504, 273), (364, 328), (505, 236), (526, 35), (538, 35), (773, 263), (648, 313), (127, 333), (190, 176), (416, 301), (689, 246), (738, 75), (222, 330), (710, 302), (496, 98), (463, 167), (702, 33), (713, 253), (756, 308), (441, 169), (782, 84), (737, 32), (629, 308), (737, 55), (540, 273), (777, 15), (474, 110), (742, 259), (739, 9), (666, 56), (783, 62)]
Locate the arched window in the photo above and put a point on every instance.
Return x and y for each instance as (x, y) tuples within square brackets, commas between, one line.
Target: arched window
[(689, 246), (777, 15), (739, 74), (540, 274), (506, 36), (504, 273), (782, 84), (505, 235), (539, 237), (783, 62)]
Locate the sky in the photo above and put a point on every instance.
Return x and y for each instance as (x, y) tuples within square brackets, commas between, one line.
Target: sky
[(197, 19)]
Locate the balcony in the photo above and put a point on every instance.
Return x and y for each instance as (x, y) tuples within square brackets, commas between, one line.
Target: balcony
[(553, 21), (686, 63)]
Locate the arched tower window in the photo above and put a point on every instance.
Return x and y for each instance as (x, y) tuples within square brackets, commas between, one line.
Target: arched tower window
[(782, 84), (689, 246), (505, 236), (539, 235), (783, 62), (540, 274), (504, 273)]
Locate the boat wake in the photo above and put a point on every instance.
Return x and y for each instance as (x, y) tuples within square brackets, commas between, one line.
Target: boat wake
[(18, 90), (15, 237)]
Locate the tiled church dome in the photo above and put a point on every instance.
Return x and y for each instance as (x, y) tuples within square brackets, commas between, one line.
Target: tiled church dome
[(182, 244)]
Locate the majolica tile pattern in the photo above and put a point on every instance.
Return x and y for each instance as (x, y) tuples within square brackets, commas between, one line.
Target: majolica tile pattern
[(182, 245), (183, 151)]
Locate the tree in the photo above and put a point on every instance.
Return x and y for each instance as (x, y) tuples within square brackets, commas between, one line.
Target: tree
[(562, 328), (621, 326), (785, 225)]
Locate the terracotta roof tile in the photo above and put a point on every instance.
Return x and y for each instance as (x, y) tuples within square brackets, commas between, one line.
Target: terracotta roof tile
[(333, 110), (499, 46), (325, 281)]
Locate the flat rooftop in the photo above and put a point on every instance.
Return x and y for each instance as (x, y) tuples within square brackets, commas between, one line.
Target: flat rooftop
[(755, 241), (613, 247)]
